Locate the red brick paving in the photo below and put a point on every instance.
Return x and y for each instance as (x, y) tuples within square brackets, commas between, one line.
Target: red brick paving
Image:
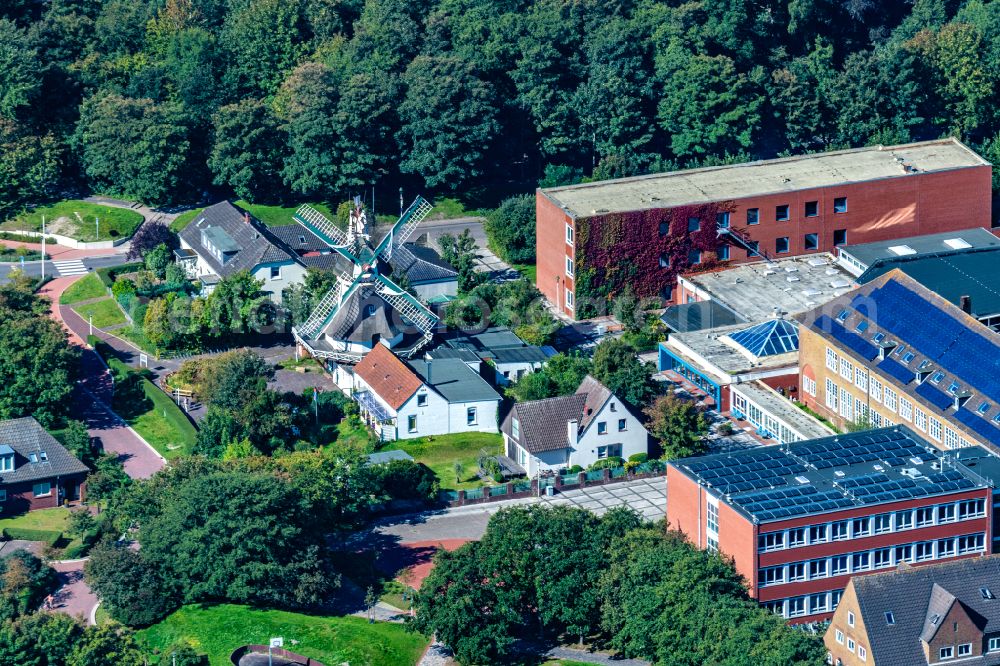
[(60, 252), (75, 596)]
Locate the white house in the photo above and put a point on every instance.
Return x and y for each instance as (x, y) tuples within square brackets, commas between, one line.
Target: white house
[(579, 429), (419, 398), (224, 239)]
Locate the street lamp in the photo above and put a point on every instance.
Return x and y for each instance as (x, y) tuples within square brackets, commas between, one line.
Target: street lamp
[(97, 232), (43, 248)]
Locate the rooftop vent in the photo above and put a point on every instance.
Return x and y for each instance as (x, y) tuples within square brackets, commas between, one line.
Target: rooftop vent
[(901, 250), (839, 474), (911, 472), (958, 243), (917, 461), (817, 261), (802, 479)]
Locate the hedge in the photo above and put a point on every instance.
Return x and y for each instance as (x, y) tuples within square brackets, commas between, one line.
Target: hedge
[(26, 534), (108, 274)]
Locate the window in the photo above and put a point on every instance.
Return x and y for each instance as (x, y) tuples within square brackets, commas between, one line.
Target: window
[(602, 427), (838, 565), (993, 644), (925, 516), (904, 520), (907, 357), (515, 429), (838, 530), (878, 337), (946, 513), (753, 215), (370, 310), (781, 213), (471, 416), (781, 245), (622, 425), (43, 489), (569, 266), (839, 237), (722, 253), (818, 569), (890, 619), (7, 463), (846, 369), (797, 537), (920, 419), (771, 575), (796, 571), (771, 541), (861, 562), (712, 520), (694, 224), (964, 650), (904, 553), (302, 240), (883, 523), (664, 261), (862, 326), (694, 256), (275, 272), (712, 545), (839, 636), (946, 548), (411, 423), (889, 398), (796, 606), (569, 299), (3, 495), (938, 376), (840, 205), (612, 407), (934, 429), (664, 228), (809, 386), (831, 394), (875, 389), (753, 249), (831, 359), (818, 534), (819, 603), (861, 526), (946, 652), (812, 208), (850, 618), (983, 408), (609, 451), (422, 401), (569, 234), (811, 241), (972, 543), (861, 378), (971, 509), (882, 558), (953, 389), (924, 551), (722, 220), (862, 653), (905, 408), (850, 644), (835, 597)]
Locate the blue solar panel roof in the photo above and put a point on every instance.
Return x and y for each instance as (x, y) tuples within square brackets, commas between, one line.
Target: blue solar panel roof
[(982, 426), (778, 336), (897, 370), (933, 395), (851, 340)]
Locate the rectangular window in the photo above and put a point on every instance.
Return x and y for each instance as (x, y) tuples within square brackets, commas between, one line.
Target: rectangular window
[(971, 509), (946, 548), (602, 427), (946, 513), (781, 245), (972, 543), (934, 429), (882, 558), (846, 404), (713, 518), (850, 644), (861, 562), (861, 527), (622, 425), (904, 520), (840, 205), (946, 652), (694, 224), (861, 378), (664, 228), (694, 257), (422, 400), (904, 553), (569, 266), (569, 299), (471, 416), (753, 215), (883, 523), (772, 576), (819, 534), (875, 389), (905, 408), (812, 208), (569, 234), (818, 569), (846, 369), (920, 419), (609, 451), (515, 429), (722, 220), (838, 565), (781, 213), (753, 249), (712, 545), (993, 644), (839, 636), (839, 531), (839, 237), (924, 551), (411, 423), (809, 386), (819, 603), (964, 650), (771, 541), (43, 489), (796, 537), (831, 359), (275, 272), (831, 394), (862, 653), (850, 618), (796, 571), (722, 253), (811, 241), (925, 516), (796, 606)]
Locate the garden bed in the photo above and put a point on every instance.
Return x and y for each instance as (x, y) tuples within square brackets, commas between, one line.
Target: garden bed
[(78, 220)]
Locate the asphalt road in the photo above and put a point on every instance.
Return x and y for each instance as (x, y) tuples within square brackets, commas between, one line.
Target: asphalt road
[(34, 268)]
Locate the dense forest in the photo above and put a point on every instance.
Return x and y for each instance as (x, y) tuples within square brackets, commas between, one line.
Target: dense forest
[(165, 100)]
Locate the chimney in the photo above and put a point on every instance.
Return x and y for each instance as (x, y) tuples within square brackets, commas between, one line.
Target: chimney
[(965, 302), (427, 373), (572, 431)]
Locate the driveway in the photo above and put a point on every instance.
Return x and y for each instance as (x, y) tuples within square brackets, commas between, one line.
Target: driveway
[(74, 597)]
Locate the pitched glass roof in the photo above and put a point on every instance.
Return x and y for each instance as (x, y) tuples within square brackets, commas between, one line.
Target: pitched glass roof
[(778, 336)]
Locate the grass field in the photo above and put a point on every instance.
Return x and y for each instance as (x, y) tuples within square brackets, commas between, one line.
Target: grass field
[(272, 216), (105, 313), (529, 271), (219, 629), (446, 208), (84, 289), (53, 520), (77, 219), (442, 451)]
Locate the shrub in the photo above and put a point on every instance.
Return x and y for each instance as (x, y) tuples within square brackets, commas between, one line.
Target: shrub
[(405, 479), (726, 428), (108, 274), (49, 537), (575, 469), (607, 463), (638, 458)]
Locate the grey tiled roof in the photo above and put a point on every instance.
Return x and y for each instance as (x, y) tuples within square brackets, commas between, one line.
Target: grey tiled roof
[(422, 264), (26, 437), (454, 380), (257, 245), (597, 394), (915, 594), (542, 423), (298, 238)]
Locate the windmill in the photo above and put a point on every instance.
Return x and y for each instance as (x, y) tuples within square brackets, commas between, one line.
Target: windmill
[(323, 334)]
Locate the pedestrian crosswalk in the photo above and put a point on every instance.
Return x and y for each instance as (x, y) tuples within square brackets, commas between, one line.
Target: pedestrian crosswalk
[(70, 267)]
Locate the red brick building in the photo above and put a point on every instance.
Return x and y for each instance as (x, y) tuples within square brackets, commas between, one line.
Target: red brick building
[(596, 238), (799, 520), (36, 471)]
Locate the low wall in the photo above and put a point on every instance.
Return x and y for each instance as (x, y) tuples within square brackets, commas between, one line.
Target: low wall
[(241, 652), (66, 241)]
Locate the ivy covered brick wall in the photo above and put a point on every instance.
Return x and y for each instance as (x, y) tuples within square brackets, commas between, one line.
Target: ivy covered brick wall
[(622, 250)]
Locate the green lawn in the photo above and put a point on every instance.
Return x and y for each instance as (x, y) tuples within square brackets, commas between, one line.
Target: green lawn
[(105, 313), (441, 451), (529, 271), (272, 216), (446, 208), (218, 630), (77, 219), (52, 520), (83, 290)]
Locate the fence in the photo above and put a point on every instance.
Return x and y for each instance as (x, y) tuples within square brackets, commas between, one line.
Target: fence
[(537, 487)]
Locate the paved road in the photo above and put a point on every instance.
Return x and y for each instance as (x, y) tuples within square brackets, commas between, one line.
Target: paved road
[(437, 228), (62, 268)]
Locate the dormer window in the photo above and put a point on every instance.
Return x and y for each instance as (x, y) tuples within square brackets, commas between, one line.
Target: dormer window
[(43, 456), (6, 459), (33, 457)]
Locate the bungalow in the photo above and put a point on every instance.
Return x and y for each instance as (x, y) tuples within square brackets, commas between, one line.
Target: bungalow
[(579, 429), (404, 400), (36, 471)]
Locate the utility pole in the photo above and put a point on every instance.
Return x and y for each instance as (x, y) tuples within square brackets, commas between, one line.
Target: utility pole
[(43, 248), (97, 221), (401, 202)]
